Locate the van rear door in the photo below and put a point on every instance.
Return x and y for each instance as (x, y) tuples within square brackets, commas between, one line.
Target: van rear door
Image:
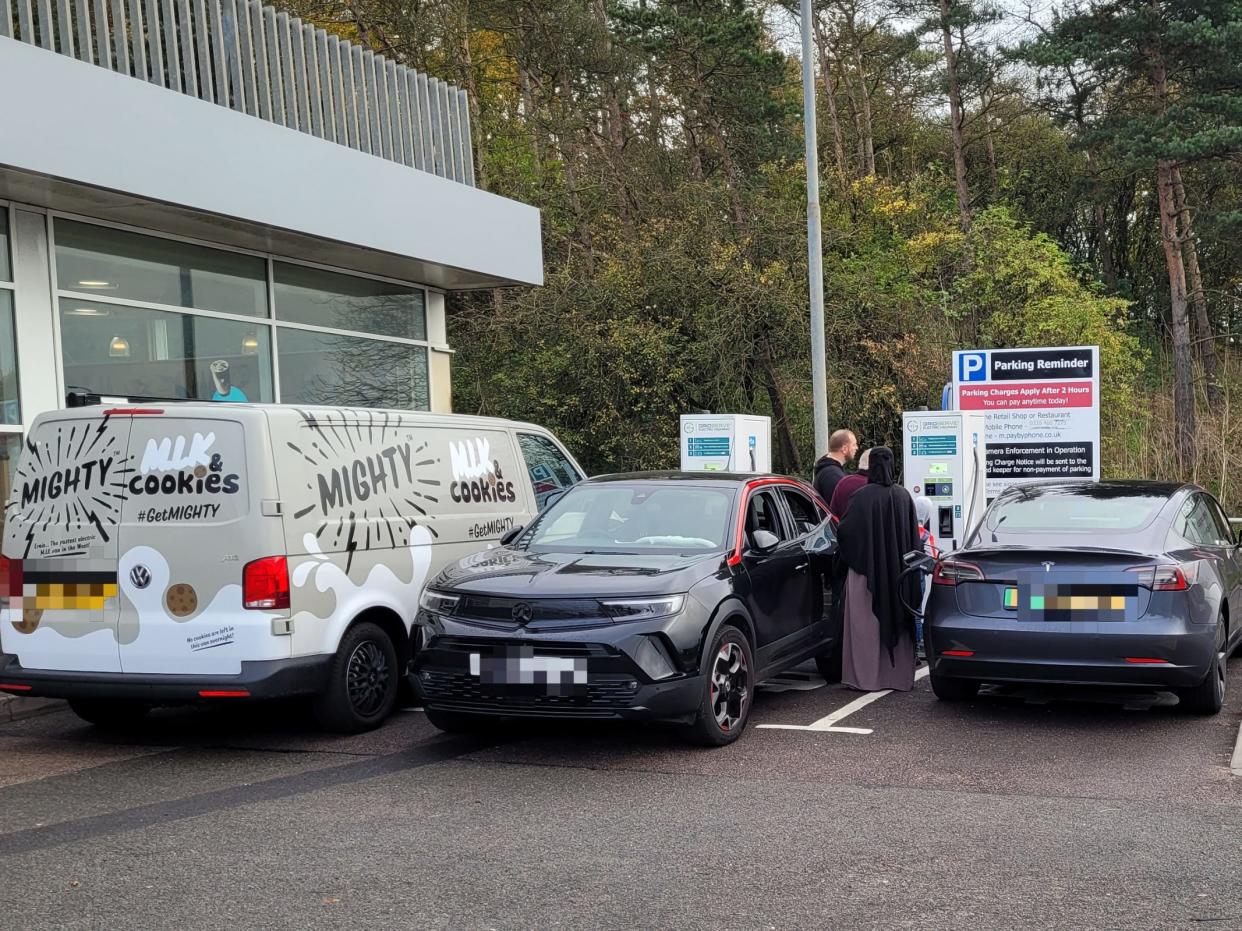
[(192, 520), (59, 578)]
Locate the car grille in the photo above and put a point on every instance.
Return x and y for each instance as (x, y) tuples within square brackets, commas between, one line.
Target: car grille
[(542, 610), (462, 691)]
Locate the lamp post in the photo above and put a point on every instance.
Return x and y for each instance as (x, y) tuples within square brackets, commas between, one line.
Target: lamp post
[(814, 239)]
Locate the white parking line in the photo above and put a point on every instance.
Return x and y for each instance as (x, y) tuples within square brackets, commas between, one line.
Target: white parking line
[(1235, 765), (828, 722)]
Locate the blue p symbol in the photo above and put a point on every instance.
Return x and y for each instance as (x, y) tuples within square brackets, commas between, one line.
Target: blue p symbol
[(972, 366)]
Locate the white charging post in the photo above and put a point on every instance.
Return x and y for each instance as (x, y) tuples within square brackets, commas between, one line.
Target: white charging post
[(945, 460), (726, 443)]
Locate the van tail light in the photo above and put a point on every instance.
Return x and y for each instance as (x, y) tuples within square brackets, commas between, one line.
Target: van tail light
[(265, 584), (1167, 578), (953, 571), (133, 411), (10, 577)]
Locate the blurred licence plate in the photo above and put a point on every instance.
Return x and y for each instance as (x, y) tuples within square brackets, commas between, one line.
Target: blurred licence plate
[(559, 675), (1074, 596)]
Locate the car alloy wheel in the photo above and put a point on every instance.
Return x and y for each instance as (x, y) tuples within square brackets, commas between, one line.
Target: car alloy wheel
[(730, 686), (367, 677)]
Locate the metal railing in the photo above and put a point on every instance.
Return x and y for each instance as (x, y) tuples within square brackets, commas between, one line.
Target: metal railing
[(244, 55)]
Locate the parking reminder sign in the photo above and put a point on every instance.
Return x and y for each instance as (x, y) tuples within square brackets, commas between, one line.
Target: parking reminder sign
[(1042, 407)]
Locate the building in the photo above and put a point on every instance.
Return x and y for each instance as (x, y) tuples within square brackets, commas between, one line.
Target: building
[(208, 199)]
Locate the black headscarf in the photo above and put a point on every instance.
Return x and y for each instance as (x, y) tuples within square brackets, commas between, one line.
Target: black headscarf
[(879, 528), (880, 466)]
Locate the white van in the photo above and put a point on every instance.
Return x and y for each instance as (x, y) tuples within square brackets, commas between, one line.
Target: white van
[(211, 551)]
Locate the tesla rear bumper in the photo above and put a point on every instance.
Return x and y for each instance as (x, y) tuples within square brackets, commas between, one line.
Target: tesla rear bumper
[(1104, 653)]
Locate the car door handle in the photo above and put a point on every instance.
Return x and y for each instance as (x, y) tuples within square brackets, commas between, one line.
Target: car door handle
[(801, 568)]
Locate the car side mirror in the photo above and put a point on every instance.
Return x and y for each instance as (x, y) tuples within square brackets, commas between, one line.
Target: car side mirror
[(764, 540), (512, 535), (1238, 540), (822, 541)]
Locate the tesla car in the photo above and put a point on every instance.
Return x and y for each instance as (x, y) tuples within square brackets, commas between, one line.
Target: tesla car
[(664, 596), (1133, 584)]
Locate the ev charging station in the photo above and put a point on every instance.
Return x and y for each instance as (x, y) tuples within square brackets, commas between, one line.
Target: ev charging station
[(726, 443), (945, 459)]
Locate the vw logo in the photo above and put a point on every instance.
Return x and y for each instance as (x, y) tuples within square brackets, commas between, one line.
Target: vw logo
[(140, 576), (522, 612)]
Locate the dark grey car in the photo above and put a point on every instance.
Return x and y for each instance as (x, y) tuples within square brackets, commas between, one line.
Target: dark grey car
[(1104, 583)]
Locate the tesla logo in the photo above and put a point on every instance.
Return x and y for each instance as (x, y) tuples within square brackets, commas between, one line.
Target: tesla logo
[(522, 613), (140, 576), (1047, 566)]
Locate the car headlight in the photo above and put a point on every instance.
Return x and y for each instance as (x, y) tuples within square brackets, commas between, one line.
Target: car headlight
[(637, 609), (438, 602)]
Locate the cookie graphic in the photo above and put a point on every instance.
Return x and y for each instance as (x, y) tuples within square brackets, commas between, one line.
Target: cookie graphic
[(200, 471), (181, 600), (30, 620)]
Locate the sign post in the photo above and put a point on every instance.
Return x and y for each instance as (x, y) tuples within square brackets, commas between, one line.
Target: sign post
[(1042, 410)]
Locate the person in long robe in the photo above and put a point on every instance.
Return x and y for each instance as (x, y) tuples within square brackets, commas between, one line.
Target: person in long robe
[(879, 528)]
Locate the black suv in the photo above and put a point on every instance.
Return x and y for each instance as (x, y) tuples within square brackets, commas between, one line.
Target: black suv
[(663, 596)]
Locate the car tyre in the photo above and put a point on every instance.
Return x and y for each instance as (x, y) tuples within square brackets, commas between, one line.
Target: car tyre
[(728, 690), (948, 689), (110, 713), (1208, 697), (362, 682)]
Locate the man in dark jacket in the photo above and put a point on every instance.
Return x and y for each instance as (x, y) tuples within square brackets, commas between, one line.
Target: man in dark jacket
[(830, 469)]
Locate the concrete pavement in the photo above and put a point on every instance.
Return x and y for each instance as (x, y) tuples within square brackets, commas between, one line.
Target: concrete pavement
[(1022, 810)]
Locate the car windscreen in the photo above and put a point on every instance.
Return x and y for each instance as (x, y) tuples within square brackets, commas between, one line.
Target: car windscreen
[(637, 518), (1088, 509)]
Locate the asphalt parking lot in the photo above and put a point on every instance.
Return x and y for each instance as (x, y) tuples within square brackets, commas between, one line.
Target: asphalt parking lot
[(1029, 809)]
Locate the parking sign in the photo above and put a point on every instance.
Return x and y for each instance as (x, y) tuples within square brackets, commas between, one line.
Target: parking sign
[(1042, 407), (972, 366)]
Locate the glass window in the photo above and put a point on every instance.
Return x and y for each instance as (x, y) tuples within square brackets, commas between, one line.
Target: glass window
[(344, 302), (1201, 525), (550, 469), (1053, 510), (132, 352), (10, 407), (6, 269), (347, 371), (805, 517), (611, 516), (117, 263), (762, 513)]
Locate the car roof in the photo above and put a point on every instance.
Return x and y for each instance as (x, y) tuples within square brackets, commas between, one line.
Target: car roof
[(717, 478)]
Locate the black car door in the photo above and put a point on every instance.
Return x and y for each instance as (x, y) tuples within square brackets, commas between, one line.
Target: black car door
[(778, 577)]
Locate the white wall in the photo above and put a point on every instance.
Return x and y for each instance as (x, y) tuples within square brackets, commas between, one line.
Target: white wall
[(66, 119)]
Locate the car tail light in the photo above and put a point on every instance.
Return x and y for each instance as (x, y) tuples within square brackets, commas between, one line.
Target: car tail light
[(14, 687), (1146, 661), (223, 693), (957, 652), (1167, 578), (953, 571), (133, 411), (10, 577), (265, 583)]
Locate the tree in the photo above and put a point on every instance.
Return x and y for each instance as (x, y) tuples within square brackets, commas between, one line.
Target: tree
[(1174, 68)]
